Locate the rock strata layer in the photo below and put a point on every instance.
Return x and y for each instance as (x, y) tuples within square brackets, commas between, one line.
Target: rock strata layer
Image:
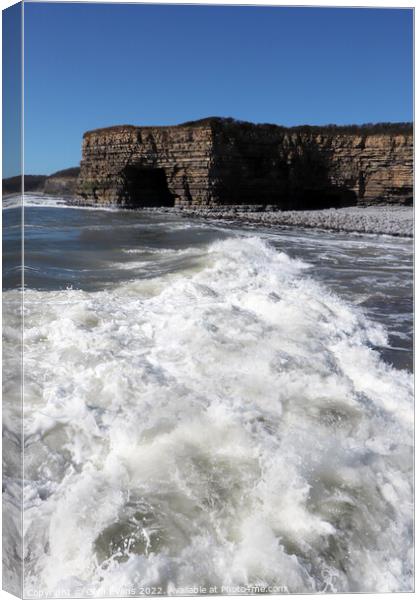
[(217, 162)]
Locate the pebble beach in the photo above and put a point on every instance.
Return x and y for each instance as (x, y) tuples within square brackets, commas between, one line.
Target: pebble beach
[(389, 220)]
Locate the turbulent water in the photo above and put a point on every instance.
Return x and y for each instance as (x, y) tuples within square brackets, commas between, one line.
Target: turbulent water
[(214, 409)]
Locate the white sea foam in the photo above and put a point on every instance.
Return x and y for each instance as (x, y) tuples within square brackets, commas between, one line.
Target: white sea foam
[(12, 201), (226, 426), (163, 251), (45, 201)]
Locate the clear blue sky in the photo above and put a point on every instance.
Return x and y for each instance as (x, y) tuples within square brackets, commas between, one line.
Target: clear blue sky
[(12, 90), (89, 66)]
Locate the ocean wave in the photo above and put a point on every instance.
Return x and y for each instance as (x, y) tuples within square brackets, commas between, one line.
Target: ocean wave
[(12, 201), (229, 426), (46, 201)]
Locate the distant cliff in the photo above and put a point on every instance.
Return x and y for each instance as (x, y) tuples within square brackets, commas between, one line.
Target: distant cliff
[(217, 161), (60, 183), (13, 185)]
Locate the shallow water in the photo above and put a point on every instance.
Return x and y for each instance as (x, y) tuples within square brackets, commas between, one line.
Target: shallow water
[(215, 405)]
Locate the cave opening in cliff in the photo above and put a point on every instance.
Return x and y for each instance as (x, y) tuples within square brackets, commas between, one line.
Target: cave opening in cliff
[(318, 199), (147, 186)]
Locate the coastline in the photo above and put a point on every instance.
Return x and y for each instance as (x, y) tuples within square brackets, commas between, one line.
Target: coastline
[(385, 220), (378, 220)]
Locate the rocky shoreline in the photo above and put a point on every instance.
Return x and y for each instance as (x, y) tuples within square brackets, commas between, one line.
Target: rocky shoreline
[(389, 220), (382, 219)]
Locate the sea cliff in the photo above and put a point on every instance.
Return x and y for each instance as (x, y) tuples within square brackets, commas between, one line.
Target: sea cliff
[(219, 162), (61, 183)]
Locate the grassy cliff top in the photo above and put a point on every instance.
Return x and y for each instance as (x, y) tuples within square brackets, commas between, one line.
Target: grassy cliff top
[(405, 128)]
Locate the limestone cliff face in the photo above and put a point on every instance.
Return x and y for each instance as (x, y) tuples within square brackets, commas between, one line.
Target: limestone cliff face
[(374, 167), (147, 166), (222, 162), (60, 185)]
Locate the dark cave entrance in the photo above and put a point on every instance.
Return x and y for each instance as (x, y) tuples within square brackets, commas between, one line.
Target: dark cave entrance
[(145, 186), (318, 199)]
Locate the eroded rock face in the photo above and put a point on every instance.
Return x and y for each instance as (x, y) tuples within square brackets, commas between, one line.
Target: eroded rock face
[(223, 162), (60, 186)]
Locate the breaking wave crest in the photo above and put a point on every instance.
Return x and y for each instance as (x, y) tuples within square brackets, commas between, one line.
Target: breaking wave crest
[(228, 426)]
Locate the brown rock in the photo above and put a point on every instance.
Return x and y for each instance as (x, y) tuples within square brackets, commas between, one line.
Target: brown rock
[(224, 162)]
